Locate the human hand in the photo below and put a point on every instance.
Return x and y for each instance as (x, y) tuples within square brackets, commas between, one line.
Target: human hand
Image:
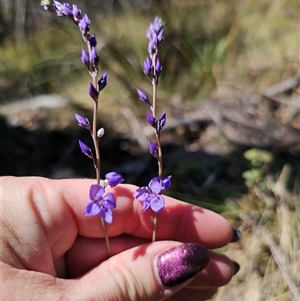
[(51, 251)]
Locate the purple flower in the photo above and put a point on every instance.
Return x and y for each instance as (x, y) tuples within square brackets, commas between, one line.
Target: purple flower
[(102, 82), (83, 121), (93, 92), (158, 67), (162, 121), (85, 58), (76, 12), (153, 150), (84, 25), (151, 195), (113, 179), (151, 120), (143, 96), (100, 203), (86, 150), (93, 40), (148, 67), (94, 58)]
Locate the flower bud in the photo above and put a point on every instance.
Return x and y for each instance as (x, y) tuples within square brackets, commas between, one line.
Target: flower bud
[(162, 121), (85, 58), (100, 133), (86, 150), (83, 121), (143, 96), (93, 40), (153, 149), (151, 120), (94, 58), (113, 179), (102, 82), (93, 92)]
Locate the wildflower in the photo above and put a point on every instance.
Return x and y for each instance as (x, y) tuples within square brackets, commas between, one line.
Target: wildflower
[(85, 58), (93, 92), (143, 96), (100, 203), (94, 58), (151, 195), (153, 150), (83, 121), (162, 121), (93, 40), (148, 67), (102, 82), (86, 150), (113, 179)]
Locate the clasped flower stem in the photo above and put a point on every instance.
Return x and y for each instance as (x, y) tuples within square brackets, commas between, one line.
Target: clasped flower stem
[(151, 195), (101, 203)]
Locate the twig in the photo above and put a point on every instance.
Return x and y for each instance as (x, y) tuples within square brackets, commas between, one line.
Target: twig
[(278, 257)]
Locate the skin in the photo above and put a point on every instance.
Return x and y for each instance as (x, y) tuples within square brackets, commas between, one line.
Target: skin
[(51, 251)]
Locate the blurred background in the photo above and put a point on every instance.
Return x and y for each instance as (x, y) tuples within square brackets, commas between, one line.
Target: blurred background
[(229, 85)]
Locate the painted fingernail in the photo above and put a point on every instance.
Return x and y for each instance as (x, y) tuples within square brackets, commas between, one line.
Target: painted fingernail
[(236, 235), (181, 263), (236, 267)]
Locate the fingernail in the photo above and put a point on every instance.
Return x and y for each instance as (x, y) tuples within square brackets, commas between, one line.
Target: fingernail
[(181, 263), (236, 267), (236, 235)]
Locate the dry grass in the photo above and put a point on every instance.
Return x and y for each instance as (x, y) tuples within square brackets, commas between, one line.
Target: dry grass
[(270, 248)]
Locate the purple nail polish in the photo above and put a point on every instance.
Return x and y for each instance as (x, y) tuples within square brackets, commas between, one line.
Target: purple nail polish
[(236, 235), (181, 263)]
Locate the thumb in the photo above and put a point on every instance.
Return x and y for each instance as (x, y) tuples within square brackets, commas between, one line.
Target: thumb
[(147, 272)]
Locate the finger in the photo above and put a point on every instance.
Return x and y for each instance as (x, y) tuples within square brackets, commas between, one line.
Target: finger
[(218, 272), (86, 253), (147, 272), (178, 221), (188, 294)]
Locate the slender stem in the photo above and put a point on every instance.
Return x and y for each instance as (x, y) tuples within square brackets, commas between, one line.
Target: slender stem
[(157, 136), (94, 74), (154, 227), (106, 237), (96, 142)]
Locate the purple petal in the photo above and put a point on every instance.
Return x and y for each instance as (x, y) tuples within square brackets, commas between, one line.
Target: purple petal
[(93, 40), (96, 192), (109, 201), (158, 67), (146, 205), (76, 12), (148, 67), (86, 150), (68, 10), (141, 194), (84, 57), (160, 35), (102, 82), (155, 185), (151, 120), (166, 183), (94, 58), (157, 203), (143, 96), (93, 92), (153, 149), (113, 179), (92, 208), (107, 215), (85, 24), (162, 121), (83, 121)]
